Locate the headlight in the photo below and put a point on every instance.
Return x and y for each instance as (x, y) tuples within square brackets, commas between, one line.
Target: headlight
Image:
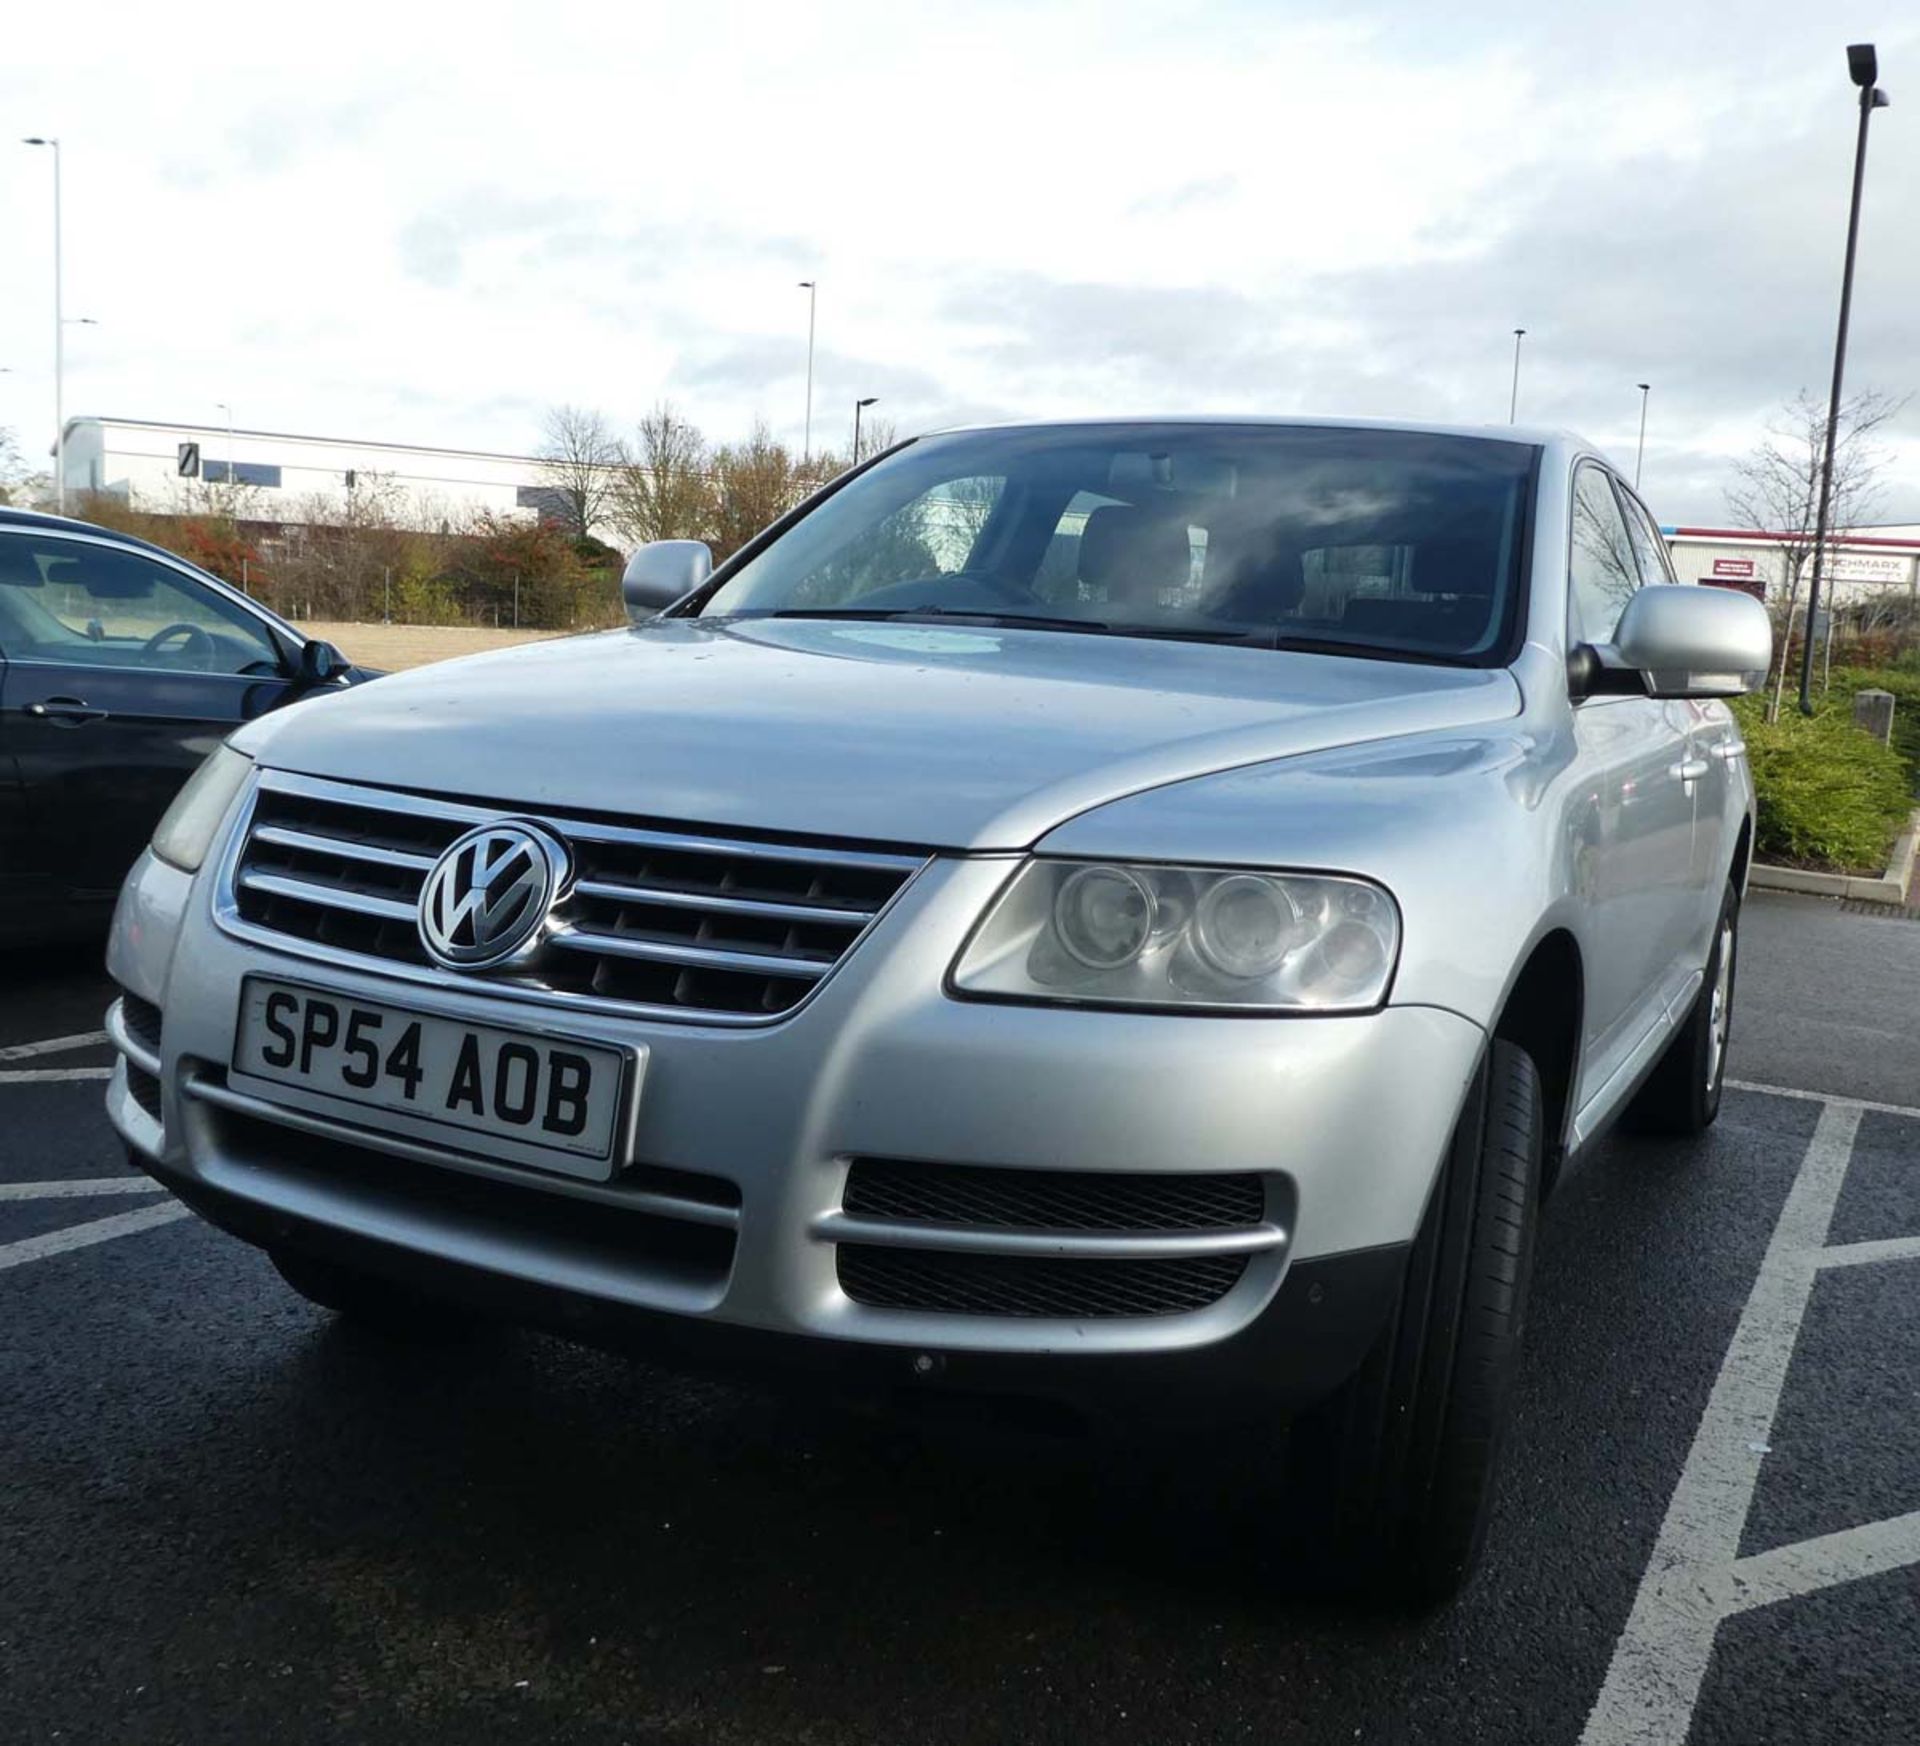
[(186, 832), (1102, 934)]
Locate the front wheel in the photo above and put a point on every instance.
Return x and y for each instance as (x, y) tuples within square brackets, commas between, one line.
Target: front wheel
[(1682, 1095), (1404, 1456)]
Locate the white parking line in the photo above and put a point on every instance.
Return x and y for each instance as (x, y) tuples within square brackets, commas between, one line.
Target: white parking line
[(1695, 1578), (78, 1187), (52, 1046), (93, 1231), (1899, 1109), (52, 1075)]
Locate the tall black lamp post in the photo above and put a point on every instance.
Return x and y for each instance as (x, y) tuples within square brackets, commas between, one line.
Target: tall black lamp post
[(860, 406), (1864, 66)]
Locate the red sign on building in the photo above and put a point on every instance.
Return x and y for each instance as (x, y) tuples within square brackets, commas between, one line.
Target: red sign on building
[(1733, 567)]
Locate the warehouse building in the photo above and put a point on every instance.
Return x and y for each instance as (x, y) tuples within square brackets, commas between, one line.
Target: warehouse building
[(157, 467), (1863, 566)]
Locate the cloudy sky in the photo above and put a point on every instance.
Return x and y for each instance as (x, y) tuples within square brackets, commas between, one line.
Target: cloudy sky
[(429, 223)]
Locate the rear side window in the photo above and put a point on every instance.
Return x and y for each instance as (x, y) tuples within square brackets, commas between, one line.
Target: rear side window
[(1602, 570)]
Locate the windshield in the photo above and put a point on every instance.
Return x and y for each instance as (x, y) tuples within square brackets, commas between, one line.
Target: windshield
[(1382, 542)]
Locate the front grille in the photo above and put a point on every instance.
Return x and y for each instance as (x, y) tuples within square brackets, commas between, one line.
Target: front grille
[(1077, 1200), (142, 1020), (145, 1089), (1003, 1285), (726, 927)]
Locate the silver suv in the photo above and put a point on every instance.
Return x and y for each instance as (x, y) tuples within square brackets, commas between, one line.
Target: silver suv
[(1133, 914)]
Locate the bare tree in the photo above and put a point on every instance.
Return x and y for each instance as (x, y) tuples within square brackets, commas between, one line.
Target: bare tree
[(1778, 487), (19, 484), (664, 491), (580, 460), (754, 483)]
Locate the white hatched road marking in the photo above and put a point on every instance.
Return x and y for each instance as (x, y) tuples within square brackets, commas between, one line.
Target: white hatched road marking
[(52, 1046), (1695, 1578), (53, 1075), (59, 1242), (78, 1187)]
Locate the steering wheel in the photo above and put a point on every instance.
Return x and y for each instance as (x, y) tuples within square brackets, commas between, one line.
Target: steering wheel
[(195, 643)]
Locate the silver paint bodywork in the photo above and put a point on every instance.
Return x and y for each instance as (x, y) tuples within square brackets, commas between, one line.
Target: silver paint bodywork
[(1494, 808)]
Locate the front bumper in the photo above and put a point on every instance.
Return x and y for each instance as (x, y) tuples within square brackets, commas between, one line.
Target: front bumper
[(1344, 1119)]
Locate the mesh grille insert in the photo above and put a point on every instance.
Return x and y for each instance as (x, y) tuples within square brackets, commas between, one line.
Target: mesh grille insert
[(142, 1019), (145, 1089), (999, 1285), (965, 1194)]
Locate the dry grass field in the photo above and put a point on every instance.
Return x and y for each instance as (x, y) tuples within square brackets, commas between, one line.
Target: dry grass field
[(391, 647)]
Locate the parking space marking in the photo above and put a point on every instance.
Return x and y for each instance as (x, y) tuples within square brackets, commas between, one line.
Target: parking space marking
[(52, 1046), (104, 1230), (52, 1075), (1695, 1579), (1861, 1103), (79, 1187)]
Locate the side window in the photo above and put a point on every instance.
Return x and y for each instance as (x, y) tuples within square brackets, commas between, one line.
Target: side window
[(97, 606), (1602, 572), (1649, 549)]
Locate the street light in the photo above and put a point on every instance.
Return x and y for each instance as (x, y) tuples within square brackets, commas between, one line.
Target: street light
[(59, 341), (858, 406), (813, 297), (1513, 402), (228, 410), (1640, 453), (1863, 66)]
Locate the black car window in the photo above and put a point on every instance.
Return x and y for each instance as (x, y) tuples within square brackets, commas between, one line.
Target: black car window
[(1602, 572), (84, 604)]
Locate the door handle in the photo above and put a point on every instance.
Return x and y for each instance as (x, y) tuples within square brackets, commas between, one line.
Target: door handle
[(1730, 751), (1691, 769), (65, 711)]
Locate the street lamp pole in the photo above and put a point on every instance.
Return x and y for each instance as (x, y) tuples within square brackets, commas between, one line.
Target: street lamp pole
[(1513, 400), (812, 290), (858, 407), (228, 410), (1639, 454), (59, 343), (1863, 65)]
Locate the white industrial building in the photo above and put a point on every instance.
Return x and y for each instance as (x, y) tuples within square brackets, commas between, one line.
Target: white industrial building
[(159, 467), (1862, 566)]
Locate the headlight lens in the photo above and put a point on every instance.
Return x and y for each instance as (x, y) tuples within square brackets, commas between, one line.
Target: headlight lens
[(1104, 934), (186, 832)]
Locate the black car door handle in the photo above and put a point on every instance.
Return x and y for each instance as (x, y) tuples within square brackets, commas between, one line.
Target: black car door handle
[(65, 711)]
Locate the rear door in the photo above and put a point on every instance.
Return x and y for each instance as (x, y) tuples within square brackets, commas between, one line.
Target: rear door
[(123, 672), (1634, 848)]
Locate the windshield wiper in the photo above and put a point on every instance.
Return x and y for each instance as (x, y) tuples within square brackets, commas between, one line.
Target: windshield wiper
[(939, 615), (1362, 651)]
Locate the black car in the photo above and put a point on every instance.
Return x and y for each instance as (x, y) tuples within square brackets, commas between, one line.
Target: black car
[(121, 667)]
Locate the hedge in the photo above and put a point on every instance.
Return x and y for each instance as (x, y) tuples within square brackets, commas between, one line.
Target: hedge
[(1830, 796)]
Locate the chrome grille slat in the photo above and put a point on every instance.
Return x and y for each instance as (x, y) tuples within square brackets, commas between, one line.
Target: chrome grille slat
[(328, 896), (656, 920), (700, 957), (312, 843), (719, 903)]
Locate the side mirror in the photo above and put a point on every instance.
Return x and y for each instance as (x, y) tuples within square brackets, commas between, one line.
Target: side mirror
[(320, 662), (661, 572), (1689, 641)]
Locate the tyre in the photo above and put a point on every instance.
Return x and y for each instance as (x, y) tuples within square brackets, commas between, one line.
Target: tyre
[(1682, 1095), (368, 1301), (1401, 1461)]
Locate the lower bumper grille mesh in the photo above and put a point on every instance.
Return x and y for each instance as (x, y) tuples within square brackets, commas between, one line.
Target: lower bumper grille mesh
[(1067, 1200), (1002, 1285), (145, 1089)]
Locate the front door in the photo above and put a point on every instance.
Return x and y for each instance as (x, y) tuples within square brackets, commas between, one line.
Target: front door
[(122, 673)]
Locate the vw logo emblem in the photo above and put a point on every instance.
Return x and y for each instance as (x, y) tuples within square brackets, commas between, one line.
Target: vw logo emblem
[(488, 896)]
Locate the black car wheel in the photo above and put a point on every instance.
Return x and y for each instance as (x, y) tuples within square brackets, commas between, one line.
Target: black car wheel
[(1403, 1458), (1682, 1096)]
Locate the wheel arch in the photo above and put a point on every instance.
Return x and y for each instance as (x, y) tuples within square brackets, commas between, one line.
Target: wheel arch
[(1542, 1013)]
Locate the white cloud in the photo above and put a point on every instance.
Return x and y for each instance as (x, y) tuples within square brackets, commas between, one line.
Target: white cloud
[(407, 222)]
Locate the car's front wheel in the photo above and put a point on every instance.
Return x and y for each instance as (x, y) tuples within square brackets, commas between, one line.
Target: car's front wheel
[(1403, 1458)]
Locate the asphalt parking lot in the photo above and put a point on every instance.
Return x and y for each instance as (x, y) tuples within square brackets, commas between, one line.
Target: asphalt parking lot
[(223, 1519)]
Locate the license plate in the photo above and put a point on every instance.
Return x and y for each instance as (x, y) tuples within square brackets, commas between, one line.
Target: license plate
[(552, 1101)]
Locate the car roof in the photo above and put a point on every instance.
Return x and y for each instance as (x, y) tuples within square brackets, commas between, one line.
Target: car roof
[(69, 524)]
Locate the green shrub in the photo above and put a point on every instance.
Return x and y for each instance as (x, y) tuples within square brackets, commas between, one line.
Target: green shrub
[(1903, 680), (1830, 796)]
